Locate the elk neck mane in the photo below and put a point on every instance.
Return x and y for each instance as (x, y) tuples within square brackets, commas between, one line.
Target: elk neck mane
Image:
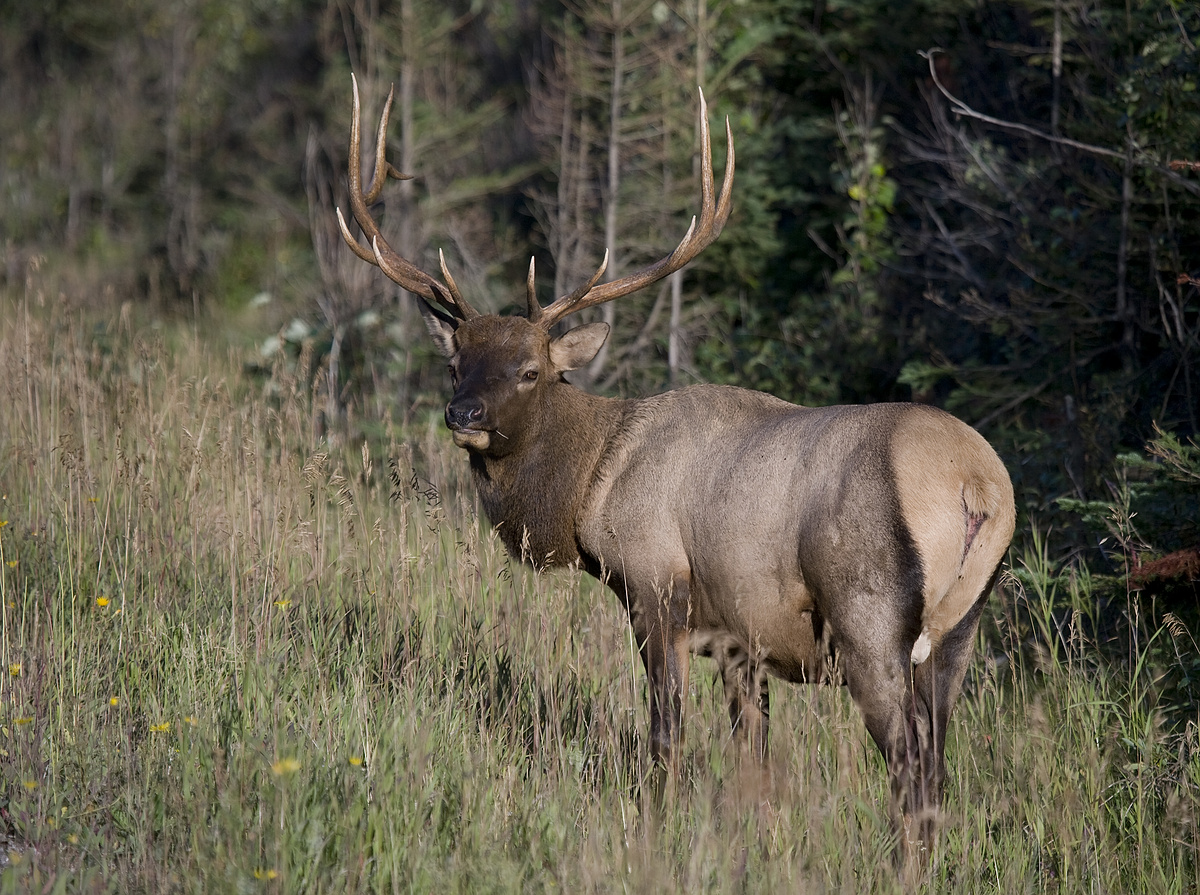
[(533, 495)]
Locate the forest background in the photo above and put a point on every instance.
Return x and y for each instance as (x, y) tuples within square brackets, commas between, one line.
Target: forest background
[(1035, 274)]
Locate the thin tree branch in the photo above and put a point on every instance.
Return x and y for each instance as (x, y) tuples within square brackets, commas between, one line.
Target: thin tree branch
[(961, 108), (967, 269)]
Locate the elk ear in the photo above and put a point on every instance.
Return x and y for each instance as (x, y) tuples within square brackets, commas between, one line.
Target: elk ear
[(440, 325), (577, 346)]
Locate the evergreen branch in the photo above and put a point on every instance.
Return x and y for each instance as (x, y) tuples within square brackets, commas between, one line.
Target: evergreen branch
[(1076, 363)]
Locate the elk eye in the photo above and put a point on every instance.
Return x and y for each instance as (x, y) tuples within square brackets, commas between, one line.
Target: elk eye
[(531, 375), (453, 373)]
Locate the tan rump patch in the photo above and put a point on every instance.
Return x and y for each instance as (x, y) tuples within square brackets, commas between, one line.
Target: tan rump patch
[(956, 498)]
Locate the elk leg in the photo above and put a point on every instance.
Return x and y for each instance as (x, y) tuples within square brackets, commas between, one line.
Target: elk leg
[(666, 675), (936, 685), (907, 710), (664, 650), (883, 695), (748, 700)]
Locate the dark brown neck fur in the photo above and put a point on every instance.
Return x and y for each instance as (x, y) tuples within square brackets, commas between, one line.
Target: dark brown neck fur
[(533, 494)]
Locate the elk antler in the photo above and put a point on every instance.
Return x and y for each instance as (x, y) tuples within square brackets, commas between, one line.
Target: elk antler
[(714, 211), (398, 269)]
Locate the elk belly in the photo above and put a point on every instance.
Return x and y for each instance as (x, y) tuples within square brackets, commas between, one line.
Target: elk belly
[(803, 659)]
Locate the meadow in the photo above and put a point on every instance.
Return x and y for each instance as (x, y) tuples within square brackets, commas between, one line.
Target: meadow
[(241, 656)]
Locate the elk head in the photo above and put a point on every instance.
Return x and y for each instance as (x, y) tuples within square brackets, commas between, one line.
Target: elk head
[(503, 367)]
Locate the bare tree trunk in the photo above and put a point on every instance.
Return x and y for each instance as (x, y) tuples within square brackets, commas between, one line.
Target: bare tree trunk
[(180, 253), (66, 160), (1124, 313), (407, 192), (1056, 67), (609, 311), (335, 411), (674, 337), (407, 142)]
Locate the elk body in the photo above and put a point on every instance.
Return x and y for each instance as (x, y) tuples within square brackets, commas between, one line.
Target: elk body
[(729, 523)]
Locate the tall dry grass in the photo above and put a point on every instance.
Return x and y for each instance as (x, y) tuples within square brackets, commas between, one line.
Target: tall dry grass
[(239, 657)]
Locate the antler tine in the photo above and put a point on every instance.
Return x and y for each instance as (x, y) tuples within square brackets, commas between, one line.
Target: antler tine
[(714, 212), (453, 286), (398, 269), (565, 304), (537, 312), (534, 314), (382, 167)]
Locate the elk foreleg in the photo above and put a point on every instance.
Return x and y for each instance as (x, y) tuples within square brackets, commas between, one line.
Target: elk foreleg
[(664, 649)]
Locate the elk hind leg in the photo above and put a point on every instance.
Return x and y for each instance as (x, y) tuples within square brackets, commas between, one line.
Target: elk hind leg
[(936, 685), (907, 713), (747, 698), (885, 701)]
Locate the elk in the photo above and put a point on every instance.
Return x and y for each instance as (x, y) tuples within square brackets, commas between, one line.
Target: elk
[(796, 542)]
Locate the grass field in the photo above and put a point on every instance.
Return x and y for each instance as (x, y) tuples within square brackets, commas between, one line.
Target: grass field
[(238, 658)]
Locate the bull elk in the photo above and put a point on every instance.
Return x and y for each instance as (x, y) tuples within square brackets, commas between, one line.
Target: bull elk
[(731, 524)]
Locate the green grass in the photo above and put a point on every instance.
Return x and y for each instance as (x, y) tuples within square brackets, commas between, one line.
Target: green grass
[(240, 658)]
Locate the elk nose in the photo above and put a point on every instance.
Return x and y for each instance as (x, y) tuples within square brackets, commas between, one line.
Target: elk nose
[(464, 413)]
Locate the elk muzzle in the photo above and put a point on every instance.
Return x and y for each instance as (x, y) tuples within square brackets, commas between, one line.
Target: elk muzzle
[(464, 419)]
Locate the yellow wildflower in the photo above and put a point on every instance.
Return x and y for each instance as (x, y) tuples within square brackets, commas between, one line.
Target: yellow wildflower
[(356, 761), (114, 700), (265, 873), (12, 563), (283, 604), (285, 766), (24, 721), (161, 728), (102, 601), (189, 720), (30, 785), (14, 668)]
